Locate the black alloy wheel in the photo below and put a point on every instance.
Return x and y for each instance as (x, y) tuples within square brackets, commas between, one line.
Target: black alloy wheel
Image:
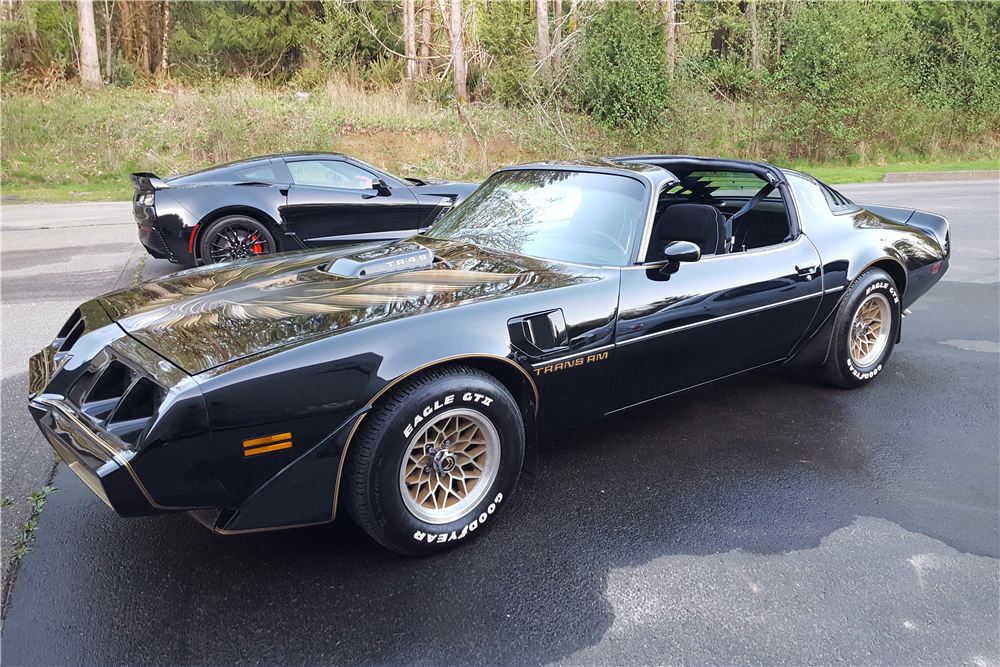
[(235, 237)]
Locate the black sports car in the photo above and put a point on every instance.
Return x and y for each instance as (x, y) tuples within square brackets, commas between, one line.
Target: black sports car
[(276, 203), (410, 382)]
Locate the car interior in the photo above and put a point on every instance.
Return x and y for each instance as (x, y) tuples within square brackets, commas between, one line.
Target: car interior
[(722, 211)]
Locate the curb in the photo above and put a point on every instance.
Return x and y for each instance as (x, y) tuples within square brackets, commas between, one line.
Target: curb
[(940, 176)]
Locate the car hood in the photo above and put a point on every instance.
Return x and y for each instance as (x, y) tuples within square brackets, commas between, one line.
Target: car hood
[(205, 317)]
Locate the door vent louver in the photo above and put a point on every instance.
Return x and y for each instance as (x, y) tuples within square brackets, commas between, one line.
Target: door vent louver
[(527, 331)]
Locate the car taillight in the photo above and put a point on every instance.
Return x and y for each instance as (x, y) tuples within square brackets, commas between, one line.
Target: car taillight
[(146, 198)]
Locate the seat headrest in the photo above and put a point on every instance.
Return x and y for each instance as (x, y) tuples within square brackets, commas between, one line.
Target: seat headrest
[(698, 223)]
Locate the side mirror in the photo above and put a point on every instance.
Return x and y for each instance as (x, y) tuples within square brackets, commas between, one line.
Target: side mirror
[(677, 252), (383, 189), (682, 251)]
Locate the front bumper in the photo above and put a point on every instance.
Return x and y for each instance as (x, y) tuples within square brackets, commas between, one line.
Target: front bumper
[(94, 457)]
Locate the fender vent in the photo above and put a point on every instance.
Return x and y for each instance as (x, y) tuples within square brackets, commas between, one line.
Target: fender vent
[(123, 401), (70, 332), (107, 392), (135, 410)]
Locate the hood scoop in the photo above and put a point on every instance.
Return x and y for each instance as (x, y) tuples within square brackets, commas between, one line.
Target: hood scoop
[(381, 261)]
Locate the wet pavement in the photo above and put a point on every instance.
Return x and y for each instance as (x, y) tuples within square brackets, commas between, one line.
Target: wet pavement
[(766, 519)]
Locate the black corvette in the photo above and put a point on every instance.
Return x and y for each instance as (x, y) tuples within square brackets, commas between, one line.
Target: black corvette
[(277, 203), (410, 382)]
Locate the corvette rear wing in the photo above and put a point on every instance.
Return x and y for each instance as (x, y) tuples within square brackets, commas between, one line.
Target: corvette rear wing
[(144, 181)]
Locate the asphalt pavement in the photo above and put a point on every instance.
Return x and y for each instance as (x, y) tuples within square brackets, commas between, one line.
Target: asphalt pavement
[(766, 519)]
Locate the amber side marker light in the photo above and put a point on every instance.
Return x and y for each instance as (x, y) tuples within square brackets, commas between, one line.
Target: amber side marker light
[(267, 444)]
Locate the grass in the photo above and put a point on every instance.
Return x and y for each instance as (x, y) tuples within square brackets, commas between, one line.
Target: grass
[(37, 500), (860, 174), (72, 144)]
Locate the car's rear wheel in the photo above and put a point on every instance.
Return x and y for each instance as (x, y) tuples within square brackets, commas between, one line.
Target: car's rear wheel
[(865, 330), (436, 461), (235, 237)]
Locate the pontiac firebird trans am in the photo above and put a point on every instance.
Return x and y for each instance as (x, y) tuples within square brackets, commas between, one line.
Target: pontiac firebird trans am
[(408, 382)]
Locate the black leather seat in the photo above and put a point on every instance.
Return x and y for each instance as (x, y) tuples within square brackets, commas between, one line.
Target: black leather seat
[(699, 223)]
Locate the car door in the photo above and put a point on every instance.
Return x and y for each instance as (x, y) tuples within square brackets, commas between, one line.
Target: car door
[(712, 318), (332, 202)]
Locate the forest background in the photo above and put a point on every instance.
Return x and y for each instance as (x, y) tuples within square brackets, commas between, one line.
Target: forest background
[(457, 88)]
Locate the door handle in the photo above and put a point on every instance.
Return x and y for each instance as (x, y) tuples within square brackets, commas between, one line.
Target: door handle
[(808, 271)]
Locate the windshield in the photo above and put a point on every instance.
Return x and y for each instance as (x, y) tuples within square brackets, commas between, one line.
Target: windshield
[(561, 215)]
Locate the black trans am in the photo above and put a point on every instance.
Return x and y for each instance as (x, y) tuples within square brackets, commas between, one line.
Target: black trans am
[(277, 203), (410, 382)]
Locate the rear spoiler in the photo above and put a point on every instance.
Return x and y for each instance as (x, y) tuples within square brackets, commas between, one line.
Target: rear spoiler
[(931, 223), (146, 181)]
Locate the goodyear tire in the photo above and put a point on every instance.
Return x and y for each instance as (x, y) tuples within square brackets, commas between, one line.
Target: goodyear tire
[(436, 461), (235, 237), (864, 332)]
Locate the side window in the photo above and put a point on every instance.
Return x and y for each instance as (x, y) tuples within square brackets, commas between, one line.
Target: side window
[(809, 195), (330, 174), (262, 174), (749, 212)]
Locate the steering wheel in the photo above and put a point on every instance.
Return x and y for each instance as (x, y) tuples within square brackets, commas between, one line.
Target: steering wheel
[(604, 235)]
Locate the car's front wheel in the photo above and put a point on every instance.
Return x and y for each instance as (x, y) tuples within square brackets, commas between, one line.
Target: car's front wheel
[(436, 461), (865, 330), (235, 237)]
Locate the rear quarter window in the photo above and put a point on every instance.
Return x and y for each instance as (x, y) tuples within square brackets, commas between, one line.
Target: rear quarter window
[(263, 174)]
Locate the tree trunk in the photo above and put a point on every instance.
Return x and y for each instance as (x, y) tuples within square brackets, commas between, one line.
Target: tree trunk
[(557, 35), (90, 66), (128, 38), (409, 37), (754, 41), (542, 36), (458, 52), (426, 26), (164, 67), (670, 12), (572, 15), (108, 11), (777, 31)]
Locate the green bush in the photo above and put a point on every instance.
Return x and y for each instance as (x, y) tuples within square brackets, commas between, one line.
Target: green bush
[(506, 33), (622, 76)]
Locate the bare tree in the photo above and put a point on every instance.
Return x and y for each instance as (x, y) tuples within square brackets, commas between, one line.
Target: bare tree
[(557, 34), (426, 27), (90, 66), (164, 69), (670, 15), (458, 51), (409, 38), (754, 40), (109, 8), (542, 35)]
